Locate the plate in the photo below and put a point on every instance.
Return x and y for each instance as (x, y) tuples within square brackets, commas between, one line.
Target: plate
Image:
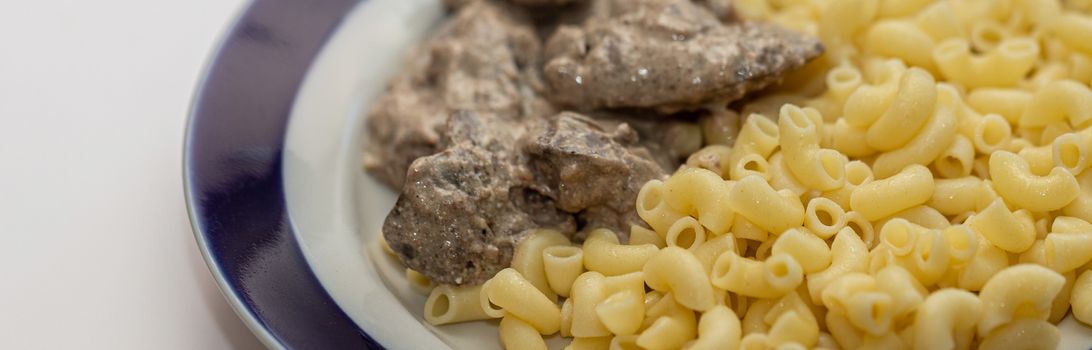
[(287, 221)]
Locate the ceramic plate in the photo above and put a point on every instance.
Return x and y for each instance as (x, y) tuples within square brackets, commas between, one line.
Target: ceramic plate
[(285, 217)]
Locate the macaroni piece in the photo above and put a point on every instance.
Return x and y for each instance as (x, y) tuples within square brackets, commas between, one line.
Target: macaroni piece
[(1023, 334), (1020, 291), (1056, 101), (991, 133), (758, 135), (774, 277), (857, 174), (1004, 228), (754, 199), (1081, 299), (1066, 251), (702, 194), (677, 271), (1008, 103), (450, 304), (622, 312), (848, 255), (1081, 207), (1015, 182), (588, 291), (718, 328), (957, 160), (1060, 307), (821, 169), (934, 138), (946, 320), (528, 258), (603, 254), (708, 252), (824, 217), (669, 331), (518, 334), (1004, 66), (518, 297), (809, 250), (877, 199), (639, 235), (653, 209), (686, 233), (910, 109), (562, 264), (1073, 151)]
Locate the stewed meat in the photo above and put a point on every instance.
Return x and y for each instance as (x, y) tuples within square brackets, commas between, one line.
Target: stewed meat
[(668, 55), (462, 210)]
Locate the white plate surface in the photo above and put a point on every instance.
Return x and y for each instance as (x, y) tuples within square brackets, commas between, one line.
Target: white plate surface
[(337, 211)]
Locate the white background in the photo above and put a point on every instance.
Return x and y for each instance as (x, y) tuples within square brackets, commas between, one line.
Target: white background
[(95, 245)]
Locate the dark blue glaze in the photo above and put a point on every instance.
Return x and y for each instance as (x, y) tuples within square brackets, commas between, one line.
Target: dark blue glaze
[(233, 173)]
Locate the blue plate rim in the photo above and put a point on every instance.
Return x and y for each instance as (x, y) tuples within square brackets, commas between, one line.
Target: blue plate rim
[(233, 180)]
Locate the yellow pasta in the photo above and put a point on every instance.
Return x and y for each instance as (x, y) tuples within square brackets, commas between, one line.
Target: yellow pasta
[(528, 258), (686, 233), (518, 334), (702, 194), (821, 169), (1073, 151), (933, 139), (946, 320), (679, 272), (1081, 299), (603, 254), (758, 135), (1003, 67), (450, 304), (562, 264), (653, 209), (670, 331), (1015, 182), (1059, 101), (955, 196), (517, 296), (910, 187), (753, 198), (588, 291), (809, 250), (718, 328), (1003, 228), (957, 160), (1020, 291), (925, 184), (622, 312), (848, 255), (910, 108), (1023, 334), (1008, 103), (596, 343), (779, 274)]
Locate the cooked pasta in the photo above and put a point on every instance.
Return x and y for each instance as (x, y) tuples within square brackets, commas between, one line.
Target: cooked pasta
[(927, 184)]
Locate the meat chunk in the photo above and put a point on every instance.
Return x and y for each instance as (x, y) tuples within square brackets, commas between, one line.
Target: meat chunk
[(590, 170), (462, 211), (666, 54), (484, 59)]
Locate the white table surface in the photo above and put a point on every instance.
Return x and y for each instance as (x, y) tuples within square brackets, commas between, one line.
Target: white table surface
[(95, 245)]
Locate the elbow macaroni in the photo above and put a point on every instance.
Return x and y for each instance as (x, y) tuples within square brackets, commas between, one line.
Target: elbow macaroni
[(938, 149)]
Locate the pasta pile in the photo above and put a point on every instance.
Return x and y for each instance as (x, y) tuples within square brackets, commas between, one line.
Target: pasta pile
[(924, 185)]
